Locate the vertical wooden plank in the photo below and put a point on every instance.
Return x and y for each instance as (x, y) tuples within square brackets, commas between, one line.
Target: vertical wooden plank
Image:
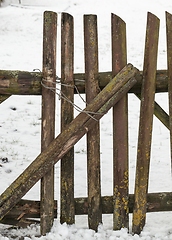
[(67, 115), (120, 129), (93, 136), (48, 116), (145, 126), (169, 63)]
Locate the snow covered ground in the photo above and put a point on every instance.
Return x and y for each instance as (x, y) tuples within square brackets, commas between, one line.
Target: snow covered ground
[(20, 116)]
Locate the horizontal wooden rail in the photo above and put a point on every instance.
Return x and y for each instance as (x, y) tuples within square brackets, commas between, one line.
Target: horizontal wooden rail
[(29, 83), (156, 202), (24, 209)]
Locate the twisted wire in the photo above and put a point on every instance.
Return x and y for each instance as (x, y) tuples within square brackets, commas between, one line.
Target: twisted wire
[(62, 95)]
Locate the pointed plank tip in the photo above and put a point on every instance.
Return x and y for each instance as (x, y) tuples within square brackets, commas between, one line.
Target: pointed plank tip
[(117, 19)]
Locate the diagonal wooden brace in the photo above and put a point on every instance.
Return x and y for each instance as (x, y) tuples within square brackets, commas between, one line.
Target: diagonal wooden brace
[(107, 98)]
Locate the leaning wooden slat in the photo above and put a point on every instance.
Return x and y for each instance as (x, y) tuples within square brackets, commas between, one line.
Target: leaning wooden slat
[(146, 119), (110, 95), (169, 63), (159, 113), (3, 98), (120, 130), (93, 136), (48, 116), (67, 211)]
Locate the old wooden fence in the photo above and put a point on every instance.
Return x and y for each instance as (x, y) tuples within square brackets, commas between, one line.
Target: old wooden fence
[(103, 91)]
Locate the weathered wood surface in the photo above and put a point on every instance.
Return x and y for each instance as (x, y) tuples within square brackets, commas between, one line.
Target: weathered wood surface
[(93, 136), (120, 129), (67, 211), (110, 95), (20, 82), (145, 125), (29, 83), (169, 63), (48, 116)]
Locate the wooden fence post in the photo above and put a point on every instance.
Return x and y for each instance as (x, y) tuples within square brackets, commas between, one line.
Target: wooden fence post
[(120, 129), (146, 119), (48, 116), (93, 136), (67, 114), (169, 63)]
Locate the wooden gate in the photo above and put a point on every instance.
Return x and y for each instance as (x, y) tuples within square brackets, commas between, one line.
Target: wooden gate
[(103, 91)]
